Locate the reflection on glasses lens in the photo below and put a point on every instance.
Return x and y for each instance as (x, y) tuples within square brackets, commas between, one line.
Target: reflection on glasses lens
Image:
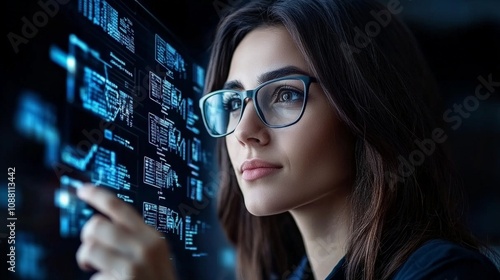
[(278, 103)]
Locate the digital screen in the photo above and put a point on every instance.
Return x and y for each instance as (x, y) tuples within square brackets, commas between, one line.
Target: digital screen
[(102, 92)]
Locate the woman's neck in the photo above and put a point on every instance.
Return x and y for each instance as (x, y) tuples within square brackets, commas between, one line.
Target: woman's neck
[(324, 225)]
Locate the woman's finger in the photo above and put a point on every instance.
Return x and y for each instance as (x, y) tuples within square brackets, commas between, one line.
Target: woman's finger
[(108, 204), (118, 244), (101, 230), (92, 255)]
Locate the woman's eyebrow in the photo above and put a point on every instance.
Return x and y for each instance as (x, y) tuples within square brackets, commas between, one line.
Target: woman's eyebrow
[(234, 84), (281, 72), (267, 76)]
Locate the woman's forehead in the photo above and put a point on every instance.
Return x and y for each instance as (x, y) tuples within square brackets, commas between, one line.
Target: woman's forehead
[(264, 50)]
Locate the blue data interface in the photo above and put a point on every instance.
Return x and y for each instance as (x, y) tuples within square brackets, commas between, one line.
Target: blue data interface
[(102, 92)]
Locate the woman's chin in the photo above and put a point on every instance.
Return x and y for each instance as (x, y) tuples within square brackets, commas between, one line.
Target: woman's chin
[(264, 208)]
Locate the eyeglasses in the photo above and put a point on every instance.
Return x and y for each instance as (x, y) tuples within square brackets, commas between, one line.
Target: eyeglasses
[(278, 103)]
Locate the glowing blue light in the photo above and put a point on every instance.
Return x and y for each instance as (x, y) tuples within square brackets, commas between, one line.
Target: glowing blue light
[(30, 257), (62, 198), (36, 119), (71, 64), (227, 257), (108, 134)]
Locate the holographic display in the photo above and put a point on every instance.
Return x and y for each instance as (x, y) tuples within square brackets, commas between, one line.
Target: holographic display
[(103, 92)]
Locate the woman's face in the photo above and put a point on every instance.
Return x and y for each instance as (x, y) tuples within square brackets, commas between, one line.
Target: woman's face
[(281, 169)]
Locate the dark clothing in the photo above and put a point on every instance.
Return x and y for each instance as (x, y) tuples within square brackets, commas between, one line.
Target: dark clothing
[(436, 259)]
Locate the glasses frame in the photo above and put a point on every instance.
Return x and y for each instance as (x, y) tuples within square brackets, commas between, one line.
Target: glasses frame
[(250, 95)]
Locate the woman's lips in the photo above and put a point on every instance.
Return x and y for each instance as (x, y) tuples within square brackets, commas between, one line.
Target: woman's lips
[(255, 169)]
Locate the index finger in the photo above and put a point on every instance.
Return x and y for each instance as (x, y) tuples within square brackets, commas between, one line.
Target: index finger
[(108, 204)]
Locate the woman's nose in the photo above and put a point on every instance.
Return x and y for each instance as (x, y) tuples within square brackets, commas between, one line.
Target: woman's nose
[(251, 129)]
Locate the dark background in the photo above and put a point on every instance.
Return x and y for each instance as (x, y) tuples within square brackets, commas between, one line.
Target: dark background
[(461, 41)]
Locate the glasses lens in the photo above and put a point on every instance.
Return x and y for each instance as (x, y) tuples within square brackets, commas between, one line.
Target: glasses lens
[(281, 102), (222, 112)]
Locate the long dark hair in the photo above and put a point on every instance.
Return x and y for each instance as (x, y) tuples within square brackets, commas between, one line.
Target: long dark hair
[(377, 80)]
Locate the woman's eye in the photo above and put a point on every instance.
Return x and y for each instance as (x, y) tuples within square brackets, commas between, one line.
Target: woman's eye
[(235, 104), (288, 95), (232, 104)]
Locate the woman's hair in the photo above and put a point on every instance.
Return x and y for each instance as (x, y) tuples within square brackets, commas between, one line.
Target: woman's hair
[(374, 75)]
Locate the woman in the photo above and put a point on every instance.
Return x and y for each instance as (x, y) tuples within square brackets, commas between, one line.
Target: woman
[(335, 167)]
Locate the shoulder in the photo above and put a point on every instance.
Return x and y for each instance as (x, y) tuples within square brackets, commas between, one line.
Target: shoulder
[(441, 259)]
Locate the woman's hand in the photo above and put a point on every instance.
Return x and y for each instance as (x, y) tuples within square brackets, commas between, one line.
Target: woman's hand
[(120, 245)]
